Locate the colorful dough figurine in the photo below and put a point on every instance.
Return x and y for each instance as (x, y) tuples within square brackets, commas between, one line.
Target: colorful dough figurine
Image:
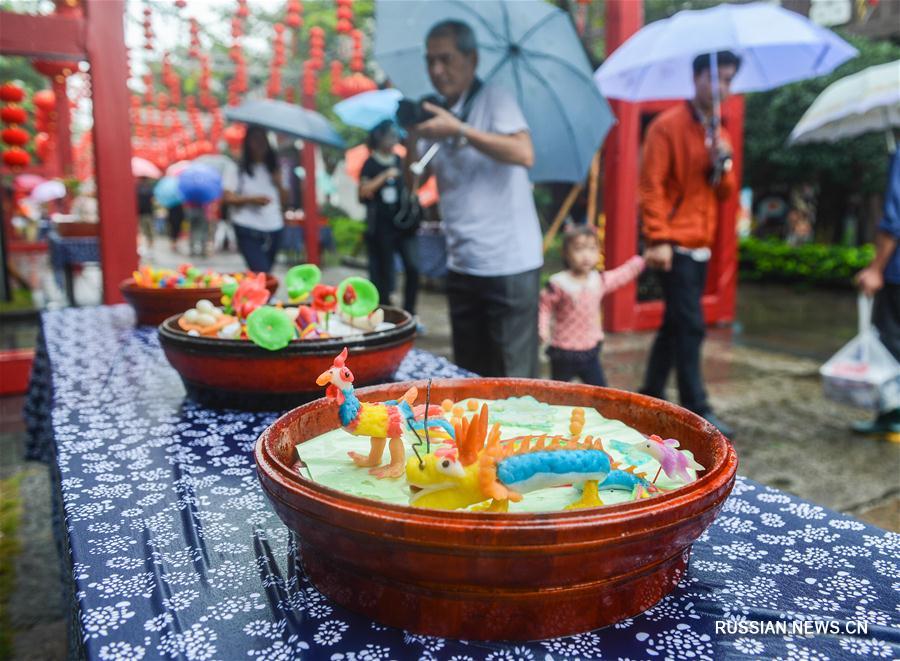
[(205, 319), (270, 328), (481, 468), (672, 462), (300, 281), (380, 421), (250, 294)]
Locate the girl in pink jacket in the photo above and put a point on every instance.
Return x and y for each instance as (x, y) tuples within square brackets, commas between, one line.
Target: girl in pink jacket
[(569, 312)]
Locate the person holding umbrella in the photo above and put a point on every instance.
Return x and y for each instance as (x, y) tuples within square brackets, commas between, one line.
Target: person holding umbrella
[(493, 233), (881, 279), (255, 195), (685, 173)]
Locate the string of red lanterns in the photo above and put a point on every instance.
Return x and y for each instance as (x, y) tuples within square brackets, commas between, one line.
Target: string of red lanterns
[(274, 87), (14, 116), (344, 16)]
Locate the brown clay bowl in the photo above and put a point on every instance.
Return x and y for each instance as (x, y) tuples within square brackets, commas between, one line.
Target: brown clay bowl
[(492, 576), (239, 374), (154, 306)]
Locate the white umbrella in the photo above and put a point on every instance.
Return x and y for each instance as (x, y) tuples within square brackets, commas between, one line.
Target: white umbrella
[(47, 191), (141, 167), (177, 168), (220, 162), (861, 103), (777, 46)]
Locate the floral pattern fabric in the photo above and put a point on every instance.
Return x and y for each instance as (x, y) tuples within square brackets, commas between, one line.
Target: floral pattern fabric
[(174, 553)]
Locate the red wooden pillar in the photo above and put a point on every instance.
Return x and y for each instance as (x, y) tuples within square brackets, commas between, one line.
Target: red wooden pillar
[(310, 206), (620, 158), (116, 196), (63, 128)]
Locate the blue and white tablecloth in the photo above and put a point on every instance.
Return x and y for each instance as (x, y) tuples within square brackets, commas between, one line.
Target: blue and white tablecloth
[(174, 553), (65, 251)]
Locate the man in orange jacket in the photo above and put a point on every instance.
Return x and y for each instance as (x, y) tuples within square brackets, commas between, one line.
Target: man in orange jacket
[(684, 176)]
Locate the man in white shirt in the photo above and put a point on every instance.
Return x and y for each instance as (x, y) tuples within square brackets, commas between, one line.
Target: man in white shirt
[(487, 207)]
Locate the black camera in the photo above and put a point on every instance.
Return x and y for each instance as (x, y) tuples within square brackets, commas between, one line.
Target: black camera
[(410, 112)]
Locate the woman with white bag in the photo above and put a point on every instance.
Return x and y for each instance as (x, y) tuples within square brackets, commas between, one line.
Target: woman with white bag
[(882, 279)]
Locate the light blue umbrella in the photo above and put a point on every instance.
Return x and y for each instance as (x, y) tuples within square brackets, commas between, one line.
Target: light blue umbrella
[(287, 118), (166, 192), (369, 109), (530, 48), (777, 46)]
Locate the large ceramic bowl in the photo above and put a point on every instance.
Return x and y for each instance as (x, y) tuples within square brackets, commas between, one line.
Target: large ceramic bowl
[(154, 306), (239, 374), (493, 576)]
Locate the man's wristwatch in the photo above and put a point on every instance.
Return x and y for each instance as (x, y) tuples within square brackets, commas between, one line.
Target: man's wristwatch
[(461, 139)]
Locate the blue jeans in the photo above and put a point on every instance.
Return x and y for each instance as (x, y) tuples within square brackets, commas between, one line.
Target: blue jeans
[(258, 248)]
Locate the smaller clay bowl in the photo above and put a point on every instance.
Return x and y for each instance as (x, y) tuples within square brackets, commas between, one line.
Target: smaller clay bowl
[(154, 306), (491, 576), (239, 374)]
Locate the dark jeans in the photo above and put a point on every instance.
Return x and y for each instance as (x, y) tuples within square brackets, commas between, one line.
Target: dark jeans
[(381, 245), (681, 335), (258, 248), (565, 365), (174, 219), (494, 323), (886, 317)]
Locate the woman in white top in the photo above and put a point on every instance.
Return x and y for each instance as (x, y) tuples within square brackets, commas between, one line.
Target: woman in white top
[(255, 195)]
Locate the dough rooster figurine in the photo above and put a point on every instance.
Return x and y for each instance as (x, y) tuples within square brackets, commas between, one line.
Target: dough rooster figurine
[(381, 421)]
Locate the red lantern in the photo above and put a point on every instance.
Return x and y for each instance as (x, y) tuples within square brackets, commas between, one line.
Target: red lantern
[(56, 69), (13, 115), (14, 136), (16, 158), (356, 84), (344, 26), (42, 146), (11, 93), (45, 100)]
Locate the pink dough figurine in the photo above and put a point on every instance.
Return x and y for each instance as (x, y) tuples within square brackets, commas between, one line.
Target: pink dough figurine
[(673, 462)]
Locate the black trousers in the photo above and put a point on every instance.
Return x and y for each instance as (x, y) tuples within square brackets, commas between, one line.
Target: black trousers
[(886, 317), (565, 365), (381, 244), (679, 339), (494, 323)]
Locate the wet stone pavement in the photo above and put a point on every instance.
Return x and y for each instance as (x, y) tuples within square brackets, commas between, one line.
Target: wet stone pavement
[(762, 375)]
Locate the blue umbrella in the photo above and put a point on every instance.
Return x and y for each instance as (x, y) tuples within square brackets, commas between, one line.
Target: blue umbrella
[(530, 48), (287, 118), (200, 184), (166, 192), (369, 109)]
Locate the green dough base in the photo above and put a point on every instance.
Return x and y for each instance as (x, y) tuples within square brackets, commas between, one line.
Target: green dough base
[(329, 465)]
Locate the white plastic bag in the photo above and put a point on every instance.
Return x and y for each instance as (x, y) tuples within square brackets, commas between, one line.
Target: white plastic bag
[(863, 372)]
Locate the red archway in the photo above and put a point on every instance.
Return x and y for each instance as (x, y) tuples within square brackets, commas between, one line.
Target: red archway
[(622, 311), (91, 31)]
